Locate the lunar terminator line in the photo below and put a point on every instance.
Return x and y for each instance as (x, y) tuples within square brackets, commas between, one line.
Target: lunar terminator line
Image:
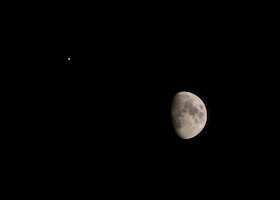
[(189, 114)]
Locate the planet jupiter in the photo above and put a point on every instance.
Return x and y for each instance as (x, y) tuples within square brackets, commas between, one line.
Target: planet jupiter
[(189, 114)]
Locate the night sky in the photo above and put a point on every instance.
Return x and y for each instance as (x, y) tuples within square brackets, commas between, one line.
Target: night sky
[(106, 111)]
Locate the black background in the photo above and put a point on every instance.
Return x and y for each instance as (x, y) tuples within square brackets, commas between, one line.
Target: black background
[(104, 116)]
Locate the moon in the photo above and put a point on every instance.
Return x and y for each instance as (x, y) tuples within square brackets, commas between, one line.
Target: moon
[(189, 114)]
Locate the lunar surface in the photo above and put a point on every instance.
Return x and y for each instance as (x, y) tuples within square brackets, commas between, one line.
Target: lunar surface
[(188, 114)]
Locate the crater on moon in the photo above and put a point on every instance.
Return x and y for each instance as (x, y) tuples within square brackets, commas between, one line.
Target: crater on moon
[(200, 115), (189, 107), (193, 110)]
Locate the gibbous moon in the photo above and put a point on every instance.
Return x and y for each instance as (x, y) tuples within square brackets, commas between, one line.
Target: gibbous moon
[(188, 114)]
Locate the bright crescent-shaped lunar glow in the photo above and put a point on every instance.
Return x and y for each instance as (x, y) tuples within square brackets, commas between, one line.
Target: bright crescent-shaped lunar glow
[(189, 114)]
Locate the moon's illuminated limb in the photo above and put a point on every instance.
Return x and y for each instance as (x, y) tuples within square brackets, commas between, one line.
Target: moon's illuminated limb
[(189, 114)]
